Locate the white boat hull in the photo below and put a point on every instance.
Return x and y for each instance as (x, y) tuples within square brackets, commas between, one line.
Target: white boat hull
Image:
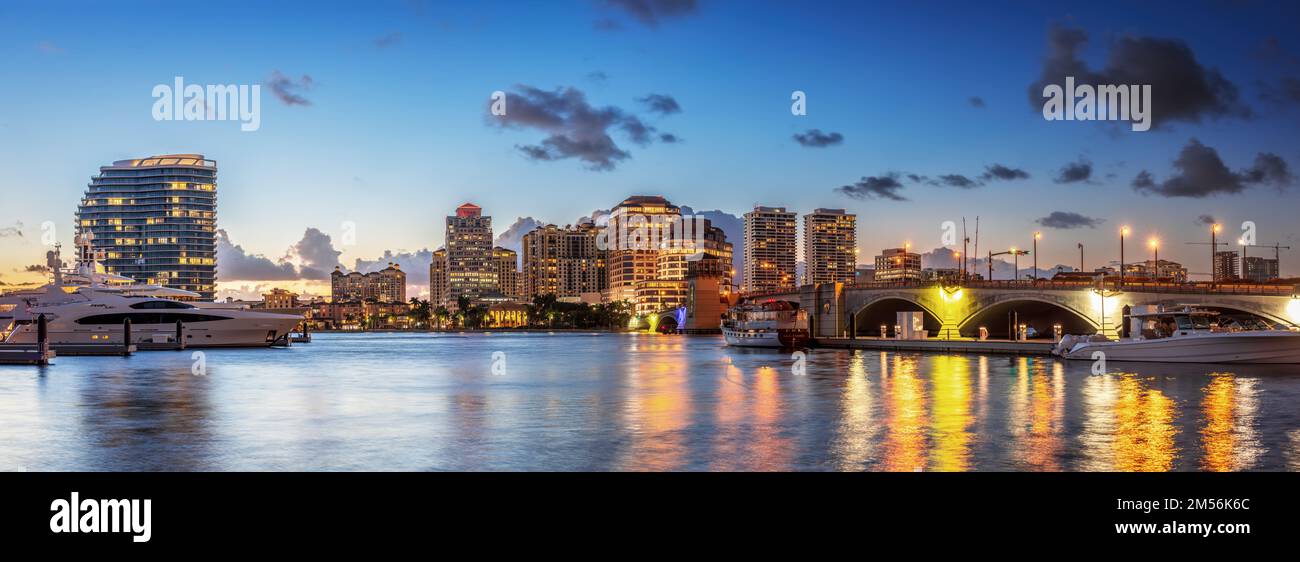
[(243, 332), (752, 338), (1264, 347)]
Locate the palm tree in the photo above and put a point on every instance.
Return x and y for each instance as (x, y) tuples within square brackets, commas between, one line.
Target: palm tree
[(441, 314), (420, 312)]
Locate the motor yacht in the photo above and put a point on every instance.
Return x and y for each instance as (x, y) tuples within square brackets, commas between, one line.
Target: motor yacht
[(1188, 335), (772, 323)]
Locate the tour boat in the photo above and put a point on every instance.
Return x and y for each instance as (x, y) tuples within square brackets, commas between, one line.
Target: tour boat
[(778, 324), (1189, 336)]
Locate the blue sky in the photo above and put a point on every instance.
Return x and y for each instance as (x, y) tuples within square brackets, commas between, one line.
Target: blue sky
[(397, 133)]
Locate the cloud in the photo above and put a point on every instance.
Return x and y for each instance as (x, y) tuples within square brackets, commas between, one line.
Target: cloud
[(49, 48), (15, 230), (38, 268), (1181, 88), (391, 39), (976, 101), (235, 264), (1074, 172), (815, 138), (1201, 173), (1206, 220), (956, 180), (652, 12), (414, 264), (1066, 221), (661, 104), (288, 90), (597, 76), (315, 255), (874, 187), (669, 138), (513, 236), (575, 128), (1000, 172)]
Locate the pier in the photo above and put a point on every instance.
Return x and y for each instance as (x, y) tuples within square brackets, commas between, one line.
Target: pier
[(1031, 347)]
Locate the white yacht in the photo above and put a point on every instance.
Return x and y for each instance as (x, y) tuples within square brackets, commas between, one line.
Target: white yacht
[(1189, 336), (89, 306), (772, 323)]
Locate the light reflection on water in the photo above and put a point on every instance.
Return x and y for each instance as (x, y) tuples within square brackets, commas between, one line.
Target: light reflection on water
[(637, 402)]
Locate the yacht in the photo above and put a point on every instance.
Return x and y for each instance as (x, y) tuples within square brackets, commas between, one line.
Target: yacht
[(773, 323), (1188, 335), (90, 306)]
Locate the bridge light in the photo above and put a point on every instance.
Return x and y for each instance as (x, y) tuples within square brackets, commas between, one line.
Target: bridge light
[(1293, 309)]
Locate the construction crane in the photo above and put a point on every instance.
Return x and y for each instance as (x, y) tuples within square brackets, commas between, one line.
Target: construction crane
[(1277, 255)]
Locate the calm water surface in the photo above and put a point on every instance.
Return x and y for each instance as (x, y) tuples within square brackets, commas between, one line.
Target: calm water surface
[(636, 402)]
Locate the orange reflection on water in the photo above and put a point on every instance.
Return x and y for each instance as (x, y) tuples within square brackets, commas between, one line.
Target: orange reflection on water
[(906, 417), (1144, 431), (1228, 436), (1038, 411), (857, 430), (659, 411), (951, 412)]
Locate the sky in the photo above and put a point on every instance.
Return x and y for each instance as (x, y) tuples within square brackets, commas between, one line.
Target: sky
[(376, 121)]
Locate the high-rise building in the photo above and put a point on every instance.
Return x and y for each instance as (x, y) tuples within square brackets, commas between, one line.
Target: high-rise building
[(770, 248), (830, 249), (154, 220), (470, 270), (1259, 269), (898, 264), (1226, 265), (506, 263), (438, 279), (636, 227), (385, 285), (565, 262)]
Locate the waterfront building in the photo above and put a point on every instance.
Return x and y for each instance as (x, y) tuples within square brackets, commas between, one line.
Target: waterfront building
[(898, 264), (864, 274), (280, 298), (565, 262), (770, 248), (1226, 265), (656, 295), (636, 227), (438, 279), (154, 220), (676, 255), (506, 264), (385, 285), (1259, 269), (830, 248), (359, 315), (1167, 270), (470, 269)]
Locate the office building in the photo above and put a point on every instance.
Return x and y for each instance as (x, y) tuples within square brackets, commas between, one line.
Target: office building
[(387, 285), (770, 248), (830, 246), (564, 262), (898, 264), (1259, 269)]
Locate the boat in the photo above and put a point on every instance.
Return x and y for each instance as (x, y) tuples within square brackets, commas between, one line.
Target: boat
[(772, 323), (1188, 335), (87, 306)]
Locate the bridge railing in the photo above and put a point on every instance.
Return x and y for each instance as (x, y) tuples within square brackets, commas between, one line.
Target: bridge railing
[(1110, 284)]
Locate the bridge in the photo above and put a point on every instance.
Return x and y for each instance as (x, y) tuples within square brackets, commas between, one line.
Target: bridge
[(1081, 307)]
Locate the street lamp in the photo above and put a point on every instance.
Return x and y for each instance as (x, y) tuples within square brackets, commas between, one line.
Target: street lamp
[(1080, 257), (1123, 231), (1155, 249), (1037, 236), (1214, 247), (1014, 252)]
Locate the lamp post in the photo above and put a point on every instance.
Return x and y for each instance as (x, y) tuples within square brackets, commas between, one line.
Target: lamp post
[(1123, 231), (1080, 257), (961, 263), (1214, 247), (1155, 249), (1037, 237)]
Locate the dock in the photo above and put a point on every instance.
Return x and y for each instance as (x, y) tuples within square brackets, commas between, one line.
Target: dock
[(1041, 347), (22, 354), (93, 349)]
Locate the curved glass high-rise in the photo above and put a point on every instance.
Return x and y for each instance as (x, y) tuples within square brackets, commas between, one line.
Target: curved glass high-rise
[(154, 219)]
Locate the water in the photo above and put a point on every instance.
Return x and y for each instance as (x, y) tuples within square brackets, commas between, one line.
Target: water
[(635, 402)]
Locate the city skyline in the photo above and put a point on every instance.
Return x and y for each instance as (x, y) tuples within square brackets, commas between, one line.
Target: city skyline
[(906, 136)]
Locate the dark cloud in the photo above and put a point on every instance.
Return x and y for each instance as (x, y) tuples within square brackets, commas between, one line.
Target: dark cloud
[(288, 90), (661, 104), (651, 12), (1067, 220), (38, 268), (237, 265), (976, 101), (1206, 220), (597, 76), (956, 180), (1181, 88), (1201, 173), (15, 230), (669, 138), (1074, 172), (1000, 172), (315, 255), (1286, 92), (815, 138), (391, 39), (874, 187), (575, 128)]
